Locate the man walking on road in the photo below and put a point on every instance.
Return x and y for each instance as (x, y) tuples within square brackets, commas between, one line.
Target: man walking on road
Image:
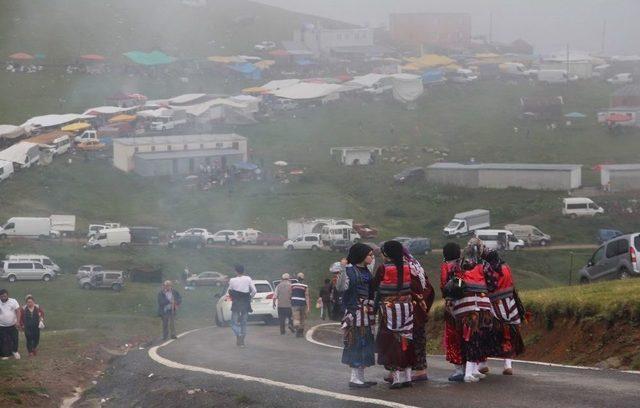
[(282, 295), (241, 290), (299, 304), (168, 302), (9, 318), (325, 296)]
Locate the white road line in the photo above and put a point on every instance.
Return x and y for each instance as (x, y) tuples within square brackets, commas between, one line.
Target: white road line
[(311, 332), (153, 354)]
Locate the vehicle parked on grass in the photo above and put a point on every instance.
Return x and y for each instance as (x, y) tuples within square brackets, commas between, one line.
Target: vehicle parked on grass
[(555, 76), (230, 237), (144, 235), (531, 235), (306, 241), (86, 136), (266, 239), (203, 232), (580, 207), (340, 245), (63, 223), (33, 227), (462, 76), (248, 236), (23, 270), (499, 239), (110, 237), (621, 79), (95, 228), (366, 231), (617, 258), (88, 270), (418, 246), (409, 175), (113, 280), (188, 241), (465, 223), (261, 304), (91, 146), (208, 278), (43, 259), (605, 235), (335, 232)]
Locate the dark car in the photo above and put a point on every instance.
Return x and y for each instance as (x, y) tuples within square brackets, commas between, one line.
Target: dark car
[(340, 245), (188, 241), (605, 235), (418, 246), (144, 235), (270, 239), (409, 175)]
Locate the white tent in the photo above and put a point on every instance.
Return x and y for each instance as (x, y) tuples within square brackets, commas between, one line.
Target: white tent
[(155, 113), (367, 81), (6, 169), (11, 131), (107, 110), (186, 98), (202, 108), (280, 84), (53, 120), (23, 153), (252, 102), (306, 90), (407, 87)]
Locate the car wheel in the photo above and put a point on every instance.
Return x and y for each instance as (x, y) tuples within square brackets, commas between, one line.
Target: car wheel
[(544, 243), (86, 286), (233, 242), (123, 245), (290, 247), (314, 248), (12, 278), (116, 287), (624, 273), (265, 243), (584, 281), (46, 278), (210, 241)]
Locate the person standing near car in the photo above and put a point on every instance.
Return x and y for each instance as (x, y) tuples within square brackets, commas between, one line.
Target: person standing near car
[(31, 321), (9, 318), (325, 297), (282, 295), (169, 300), (299, 304), (241, 290)]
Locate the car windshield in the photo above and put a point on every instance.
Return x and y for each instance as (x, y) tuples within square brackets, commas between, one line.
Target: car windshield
[(263, 288), (453, 224)]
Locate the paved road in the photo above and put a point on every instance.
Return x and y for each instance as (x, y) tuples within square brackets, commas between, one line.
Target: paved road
[(271, 362)]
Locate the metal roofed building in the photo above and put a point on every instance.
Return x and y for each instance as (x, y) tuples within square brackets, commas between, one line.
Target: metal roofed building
[(178, 154), (620, 177), (505, 175)]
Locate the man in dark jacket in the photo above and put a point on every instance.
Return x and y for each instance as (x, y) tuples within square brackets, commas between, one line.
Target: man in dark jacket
[(325, 295), (168, 302)]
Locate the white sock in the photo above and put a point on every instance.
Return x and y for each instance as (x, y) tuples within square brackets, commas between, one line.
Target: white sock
[(407, 374), (397, 377), (361, 374), (469, 368), (507, 363), (354, 376)]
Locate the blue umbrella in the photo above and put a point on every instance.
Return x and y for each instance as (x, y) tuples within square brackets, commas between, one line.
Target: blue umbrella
[(575, 115)]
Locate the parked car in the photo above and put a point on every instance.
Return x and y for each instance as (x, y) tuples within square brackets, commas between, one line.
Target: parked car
[(418, 246), (113, 280), (208, 279), (617, 258), (621, 79), (187, 241), (91, 145), (95, 228), (340, 245), (366, 231), (206, 235), (306, 241), (110, 237), (248, 236), (87, 270), (409, 175), (22, 270), (529, 234), (499, 239), (605, 235), (43, 259), (270, 239), (230, 237), (580, 207), (144, 235), (261, 304)]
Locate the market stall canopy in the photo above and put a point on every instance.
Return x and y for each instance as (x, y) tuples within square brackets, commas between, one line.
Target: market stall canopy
[(575, 115), (21, 56), (264, 64), (186, 98), (122, 118), (18, 152), (202, 108), (280, 84), (76, 127), (368, 80), (149, 58), (11, 131), (53, 120), (279, 53), (106, 110), (92, 57), (427, 61), (305, 90), (232, 59)]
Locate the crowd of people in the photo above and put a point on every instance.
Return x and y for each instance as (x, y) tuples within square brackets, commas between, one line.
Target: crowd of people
[(14, 318)]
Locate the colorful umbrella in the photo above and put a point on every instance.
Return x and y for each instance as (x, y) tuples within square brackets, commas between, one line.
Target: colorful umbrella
[(21, 56), (92, 57), (122, 118), (76, 127)]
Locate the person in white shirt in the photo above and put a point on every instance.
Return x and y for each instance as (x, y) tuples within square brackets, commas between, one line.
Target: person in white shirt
[(241, 290), (9, 318)]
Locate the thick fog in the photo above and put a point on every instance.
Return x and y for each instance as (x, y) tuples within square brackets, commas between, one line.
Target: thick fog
[(548, 24)]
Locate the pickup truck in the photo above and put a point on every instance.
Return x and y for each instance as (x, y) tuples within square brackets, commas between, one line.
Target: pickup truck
[(91, 135)]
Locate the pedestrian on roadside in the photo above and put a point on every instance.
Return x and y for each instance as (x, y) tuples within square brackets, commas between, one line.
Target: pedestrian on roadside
[(452, 338), (300, 304), (9, 318), (186, 273), (169, 300), (354, 281), (282, 299), (325, 297), (31, 321), (241, 291)]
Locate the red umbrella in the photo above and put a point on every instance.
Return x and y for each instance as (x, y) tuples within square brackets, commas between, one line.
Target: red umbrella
[(92, 57), (21, 56), (279, 53)]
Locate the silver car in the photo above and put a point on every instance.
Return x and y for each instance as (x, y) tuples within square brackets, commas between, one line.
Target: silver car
[(25, 270), (113, 280), (616, 258)]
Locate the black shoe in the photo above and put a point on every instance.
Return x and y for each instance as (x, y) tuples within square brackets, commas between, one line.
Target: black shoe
[(174, 337), (356, 385), (407, 384), (396, 386), (371, 383)]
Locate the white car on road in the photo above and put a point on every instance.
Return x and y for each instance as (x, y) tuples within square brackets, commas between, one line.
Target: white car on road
[(262, 305), (206, 235), (230, 237), (306, 241)]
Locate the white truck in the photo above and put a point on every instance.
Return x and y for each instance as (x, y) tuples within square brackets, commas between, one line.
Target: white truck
[(465, 223), (111, 237), (555, 76), (331, 233), (95, 228), (163, 123), (65, 224), (33, 227)]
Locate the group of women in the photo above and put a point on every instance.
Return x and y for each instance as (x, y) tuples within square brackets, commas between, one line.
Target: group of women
[(482, 312)]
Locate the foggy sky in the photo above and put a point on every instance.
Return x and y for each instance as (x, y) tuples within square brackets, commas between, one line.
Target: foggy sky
[(548, 24)]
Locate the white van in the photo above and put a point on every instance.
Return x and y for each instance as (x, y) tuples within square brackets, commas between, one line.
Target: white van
[(331, 233), (95, 228), (61, 145), (111, 238), (306, 241), (529, 234), (248, 236), (580, 207), (23, 270), (621, 79), (6, 169), (499, 239), (43, 259), (556, 76)]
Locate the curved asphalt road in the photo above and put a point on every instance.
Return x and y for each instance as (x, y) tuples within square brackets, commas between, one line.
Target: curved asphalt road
[(271, 361)]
